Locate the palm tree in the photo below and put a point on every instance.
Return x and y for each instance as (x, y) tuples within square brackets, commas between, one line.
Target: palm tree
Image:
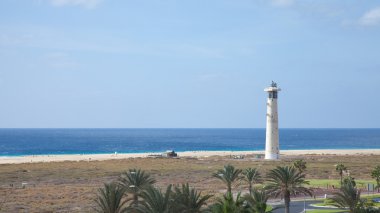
[(347, 197), (155, 201), (227, 204), (300, 165), (189, 200), (110, 199), (285, 181), (340, 168), (228, 175), (349, 179), (251, 176), (135, 182), (376, 174), (257, 201)]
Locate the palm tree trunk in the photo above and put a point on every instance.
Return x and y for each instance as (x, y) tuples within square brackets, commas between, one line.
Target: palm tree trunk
[(287, 202), (229, 190), (135, 199), (250, 188), (352, 210)]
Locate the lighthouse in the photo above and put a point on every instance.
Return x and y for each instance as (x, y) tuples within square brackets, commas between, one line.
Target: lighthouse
[(272, 149)]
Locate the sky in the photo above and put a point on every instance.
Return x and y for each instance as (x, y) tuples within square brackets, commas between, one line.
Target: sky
[(188, 63)]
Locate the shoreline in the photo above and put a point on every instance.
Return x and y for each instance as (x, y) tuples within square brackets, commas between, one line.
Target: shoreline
[(194, 154)]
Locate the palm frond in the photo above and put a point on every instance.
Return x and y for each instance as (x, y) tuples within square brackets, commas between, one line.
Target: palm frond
[(285, 181), (229, 175), (154, 201), (347, 197), (135, 181), (110, 199), (189, 200)]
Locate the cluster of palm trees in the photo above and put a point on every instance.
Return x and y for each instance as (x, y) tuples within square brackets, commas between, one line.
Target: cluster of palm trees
[(280, 182), (348, 196), (134, 191)]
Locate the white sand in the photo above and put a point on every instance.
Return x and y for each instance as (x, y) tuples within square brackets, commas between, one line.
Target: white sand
[(198, 154)]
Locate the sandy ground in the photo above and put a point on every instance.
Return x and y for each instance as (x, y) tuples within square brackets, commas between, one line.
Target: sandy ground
[(196, 154)]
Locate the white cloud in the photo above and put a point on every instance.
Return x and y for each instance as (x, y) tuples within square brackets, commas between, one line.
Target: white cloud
[(53, 39), (371, 17), (282, 3), (88, 4)]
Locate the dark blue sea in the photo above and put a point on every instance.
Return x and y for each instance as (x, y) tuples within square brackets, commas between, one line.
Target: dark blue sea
[(85, 141)]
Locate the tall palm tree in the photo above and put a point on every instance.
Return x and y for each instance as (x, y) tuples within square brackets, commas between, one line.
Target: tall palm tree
[(189, 200), (300, 165), (257, 201), (251, 176), (154, 201), (228, 175), (286, 181), (349, 179), (110, 199), (340, 168), (376, 174), (135, 182), (228, 204), (347, 197)]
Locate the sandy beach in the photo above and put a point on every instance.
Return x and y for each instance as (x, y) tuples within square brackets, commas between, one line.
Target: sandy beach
[(196, 154)]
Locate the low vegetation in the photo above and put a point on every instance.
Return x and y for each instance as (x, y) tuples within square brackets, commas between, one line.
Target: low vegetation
[(73, 186), (283, 181), (280, 181), (325, 211)]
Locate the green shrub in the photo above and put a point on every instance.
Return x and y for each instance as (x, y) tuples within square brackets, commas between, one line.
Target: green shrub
[(328, 202), (368, 203)]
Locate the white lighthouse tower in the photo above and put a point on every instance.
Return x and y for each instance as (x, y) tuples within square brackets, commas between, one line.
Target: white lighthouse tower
[(272, 150)]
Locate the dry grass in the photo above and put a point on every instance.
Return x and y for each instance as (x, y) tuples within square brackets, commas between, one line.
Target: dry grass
[(71, 186)]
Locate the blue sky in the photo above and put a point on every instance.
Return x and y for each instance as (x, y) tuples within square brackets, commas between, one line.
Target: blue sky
[(196, 64)]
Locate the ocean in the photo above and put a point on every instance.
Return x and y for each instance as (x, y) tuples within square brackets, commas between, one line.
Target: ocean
[(15, 142)]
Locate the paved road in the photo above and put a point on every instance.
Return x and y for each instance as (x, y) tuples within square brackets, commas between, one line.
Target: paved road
[(298, 206)]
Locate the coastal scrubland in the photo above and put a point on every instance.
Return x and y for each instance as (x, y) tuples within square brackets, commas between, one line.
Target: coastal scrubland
[(72, 186)]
